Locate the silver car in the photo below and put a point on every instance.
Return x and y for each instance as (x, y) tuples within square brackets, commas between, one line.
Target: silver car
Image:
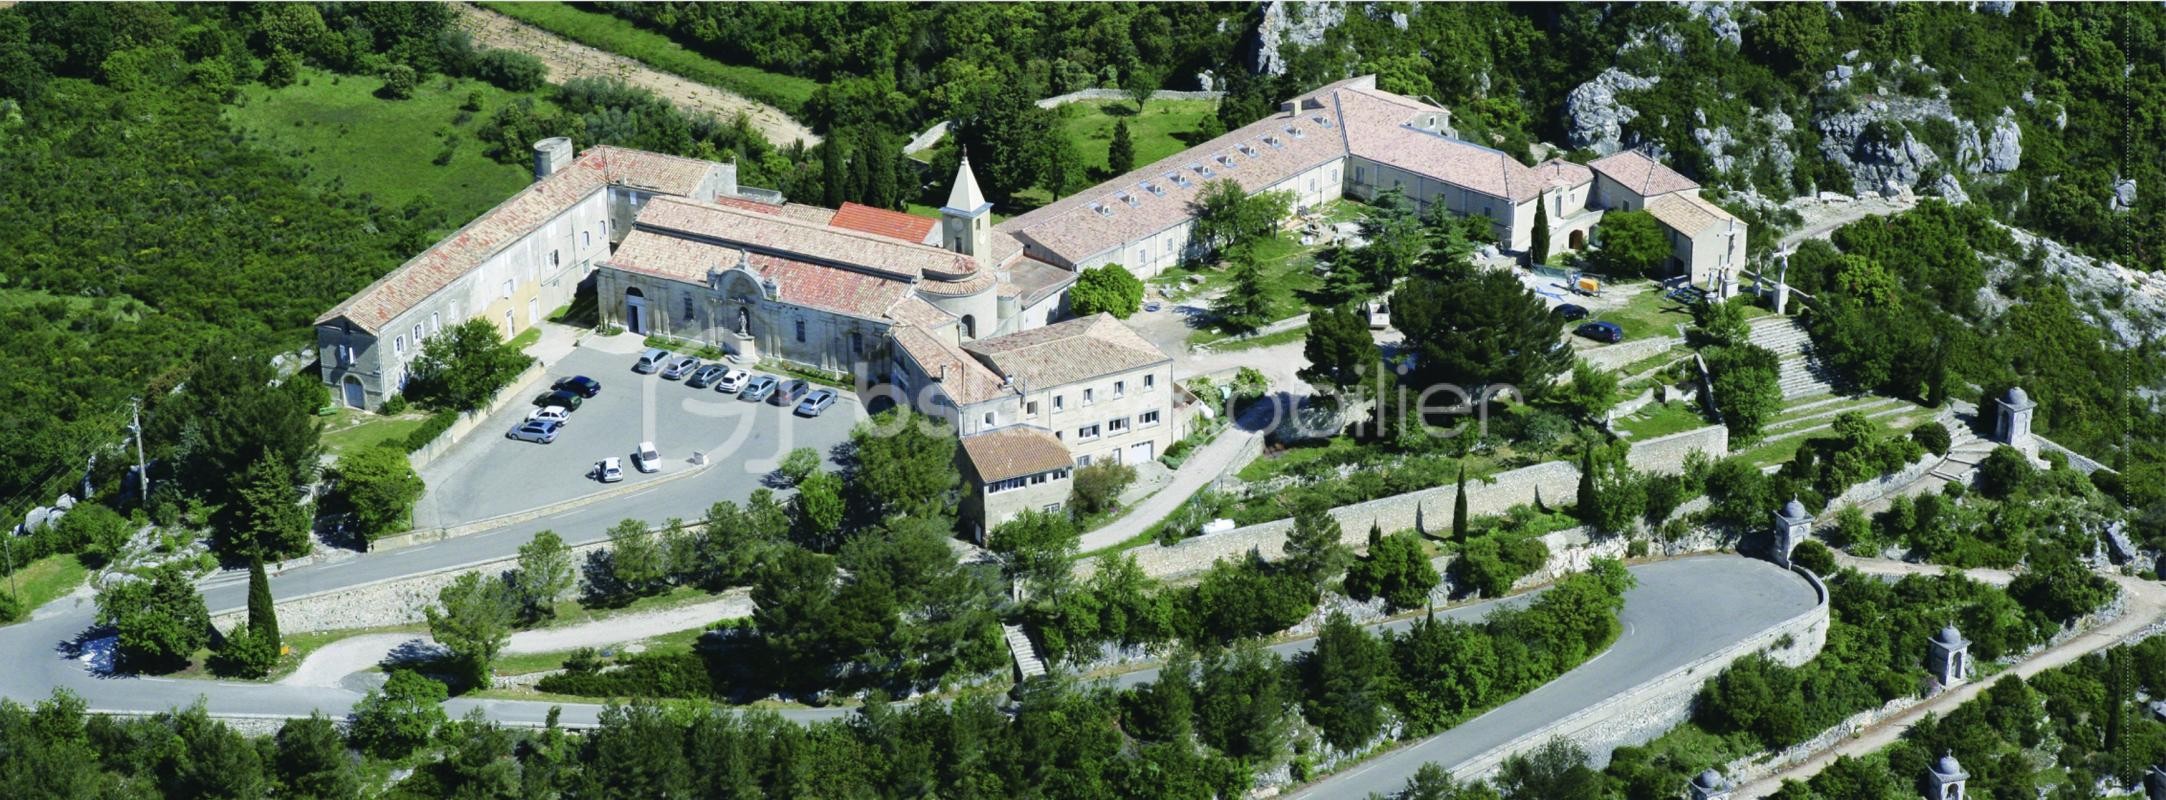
[(680, 368), (542, 431), (706, 375), (820, 400), (758, 388)]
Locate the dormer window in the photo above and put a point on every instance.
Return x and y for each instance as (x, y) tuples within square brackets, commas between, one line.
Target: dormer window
[(1155, 189), (1274, 143), (1102, 210), (1203, 170), (1226, 161), (1324, 121), (1129, 199), (1247, 150), (1178, 179), (1294, 132)]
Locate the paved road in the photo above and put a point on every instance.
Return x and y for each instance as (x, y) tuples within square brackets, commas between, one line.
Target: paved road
[(1201, 468), (1681, 611)]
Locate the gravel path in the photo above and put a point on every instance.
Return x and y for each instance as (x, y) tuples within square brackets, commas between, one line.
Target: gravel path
[(331, 663), (567, 59)]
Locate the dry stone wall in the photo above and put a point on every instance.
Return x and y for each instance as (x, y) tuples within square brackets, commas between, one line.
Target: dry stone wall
[(395, 601)]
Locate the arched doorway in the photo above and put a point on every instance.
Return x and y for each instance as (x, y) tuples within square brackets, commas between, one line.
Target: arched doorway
[(356, 396), (635, 310), (1578, 240), (970, 326)]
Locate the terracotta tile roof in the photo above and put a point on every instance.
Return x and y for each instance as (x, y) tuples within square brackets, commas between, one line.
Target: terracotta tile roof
[(1013, 452), (748, 205), (1072, 229), (1686, 213), (1067, 352), (974, 283), (1559, 172), (784, 234), (1642, 175), (966, 381), (808, 213), (802, 283), (1377, 129), (880, 221), (1030, 280), (916, 312), (466, 248)]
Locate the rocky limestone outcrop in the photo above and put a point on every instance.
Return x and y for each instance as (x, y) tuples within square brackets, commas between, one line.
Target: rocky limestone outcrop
[(2124, 194), (1881, 158), (1593, 116), (1996, 151), (1292, 24), (1950, 189), (2129, 304), (1720, 18)]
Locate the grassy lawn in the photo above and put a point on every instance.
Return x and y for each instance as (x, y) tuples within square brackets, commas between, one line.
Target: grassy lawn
[(1267, 340), (1661, 419), (1648, 314), (605, 32), (345, 137), (47, 579), (1165, 127), (528, 338), (1288, 267), (352, 429)]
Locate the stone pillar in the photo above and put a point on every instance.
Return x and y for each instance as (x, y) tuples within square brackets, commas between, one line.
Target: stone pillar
[(1792, 525), (2015, 420), (1949, 658), (1945, 779), (1708, 786)]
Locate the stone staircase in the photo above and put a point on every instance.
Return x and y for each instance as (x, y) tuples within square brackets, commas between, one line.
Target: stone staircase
[(1027, 663), (1819, 415), (1802, 373), (1965, 450)]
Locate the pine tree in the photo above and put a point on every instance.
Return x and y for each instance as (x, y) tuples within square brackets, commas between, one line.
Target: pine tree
[(1590, 501), (262, 614), (1246, 305), (1540, 253), (1121, 155), (1459, 509)]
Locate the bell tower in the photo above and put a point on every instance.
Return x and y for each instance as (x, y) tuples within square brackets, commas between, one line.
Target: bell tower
[(966, 222)]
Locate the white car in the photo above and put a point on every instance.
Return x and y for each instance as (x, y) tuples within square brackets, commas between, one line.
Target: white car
[(555, 414), (646, 458), (609, 470), (732, 380)]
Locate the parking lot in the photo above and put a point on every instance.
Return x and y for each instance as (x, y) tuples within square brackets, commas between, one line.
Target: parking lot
[(489, 474)]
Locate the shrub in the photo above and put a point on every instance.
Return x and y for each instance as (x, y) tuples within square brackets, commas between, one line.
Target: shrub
[(1110, 289), (244, 655), (1098, 487), (1814, 556), (430, 428), (1932, 436), (399, 82), (798, 465), (2003, 472), (395, 404), (394, 721), (510, 70)]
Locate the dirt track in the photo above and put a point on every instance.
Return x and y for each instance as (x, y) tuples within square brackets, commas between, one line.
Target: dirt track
[(567, 59)]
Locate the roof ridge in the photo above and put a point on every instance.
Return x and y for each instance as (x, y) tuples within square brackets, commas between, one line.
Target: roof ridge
[(808, 225)]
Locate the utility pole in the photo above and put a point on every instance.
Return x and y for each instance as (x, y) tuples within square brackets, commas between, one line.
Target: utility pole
[(142, 471)]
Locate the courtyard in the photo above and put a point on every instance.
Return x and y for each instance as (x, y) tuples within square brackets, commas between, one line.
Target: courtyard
[(489, 475)]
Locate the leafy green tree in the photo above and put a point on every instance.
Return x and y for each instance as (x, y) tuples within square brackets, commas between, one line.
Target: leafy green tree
[(1747, 383), (1588, 506), (160, 618), (798, 464), (1343, 680), (1433, 782), (1444, 670), (1238, 599), (1394, 241), (473, 617), (1140, 81), (1064, 170), (1591, 394), (1341, 352), (793, 605), (1556, 771), (734, 539), (311, 761), (1227, 217), (1097, 488), (1038, 547), (639, 752), (2004, 472), (1453, 238), (244, 654), (399, 82), (545, 572), (262, 612), (1245, 306), (1477, 328), (270, 523), (1242, 696), (1106, 289), (1313, 550), (462, 369), (394, 721), (1396, 569), (1632, 244), (477, 759), (98, 532), (818, 509), (1121, 154), (637, 564), (377, 488), (1722, 324), (904, 464)]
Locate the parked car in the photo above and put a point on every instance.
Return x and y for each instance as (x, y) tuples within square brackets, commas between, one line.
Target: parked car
[(556, 414), (536, 431), (789, 393), (758, 388), (1602, 332), (706, 375), (646, 458), (733, 380), (652, 360), (1569, 312), (818, 401), (679, 368), (581, 384), (562, 398), (608, 470)]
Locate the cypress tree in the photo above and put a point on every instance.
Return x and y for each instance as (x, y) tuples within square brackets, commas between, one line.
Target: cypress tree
[(1540, 251), (1459, 509), (1121, 155), (1376, 536), (1589, 502), (834, 183), (262, 615), (879, 155)]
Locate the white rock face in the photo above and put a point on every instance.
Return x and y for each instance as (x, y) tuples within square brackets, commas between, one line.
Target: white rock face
[(1594, 118), (1281, 28), (2004, 146), (1950, 189), (1877, 161), (1719, 19), (2124, 194)]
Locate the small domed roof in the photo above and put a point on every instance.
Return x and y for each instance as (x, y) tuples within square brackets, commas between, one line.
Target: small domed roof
[(1948, 635), (1947, 765), (1793, 509), (1708, 780), (2017, 397)]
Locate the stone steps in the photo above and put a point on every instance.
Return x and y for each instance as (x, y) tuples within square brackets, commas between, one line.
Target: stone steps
[(1870, 406), (1027, 663), (1879, 413)]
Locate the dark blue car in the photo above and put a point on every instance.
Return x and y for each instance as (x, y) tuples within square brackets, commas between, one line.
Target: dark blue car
[(1602, 332), (579, 384)]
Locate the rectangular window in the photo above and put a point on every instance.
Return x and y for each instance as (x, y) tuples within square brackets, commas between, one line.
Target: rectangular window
[(1120, 389), (1051, 508), (857, 342), (553, 260), (1089, 396), (1082, 461), (507, 286), (1059, 404), (688, 307), (586, 238), (1031, 408), (800, 330), (1117, 425), (1087, 432), (1150, 383), (988, 418), (1146, 419)]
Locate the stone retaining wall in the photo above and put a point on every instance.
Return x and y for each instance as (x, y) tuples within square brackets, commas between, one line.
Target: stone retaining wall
[(1427, 509), (469, 420), (384, 603), (1638, 714)]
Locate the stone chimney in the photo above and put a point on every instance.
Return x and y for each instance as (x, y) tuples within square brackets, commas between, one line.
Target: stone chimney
[(551, 155)]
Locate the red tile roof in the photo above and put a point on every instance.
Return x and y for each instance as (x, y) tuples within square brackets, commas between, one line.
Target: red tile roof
[(1643, 176), (785, 234), (859, 294), (880, 221), (1013, 452)]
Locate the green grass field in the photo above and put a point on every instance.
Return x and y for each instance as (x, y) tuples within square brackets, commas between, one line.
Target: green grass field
[(605, 32), (1165, 127), (345, 136), (47, 579), (1661, 419), (1647, 315), (352, 429)]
